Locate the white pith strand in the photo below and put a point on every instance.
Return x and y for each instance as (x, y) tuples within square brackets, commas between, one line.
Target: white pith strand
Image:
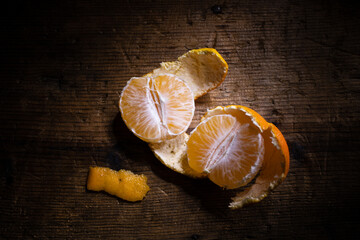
[(154, 105), (225, 141)]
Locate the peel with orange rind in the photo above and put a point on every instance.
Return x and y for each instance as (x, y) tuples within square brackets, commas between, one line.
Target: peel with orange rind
[(202, 69)]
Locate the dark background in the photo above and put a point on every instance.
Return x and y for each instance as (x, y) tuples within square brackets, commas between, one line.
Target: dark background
[(64, 64)]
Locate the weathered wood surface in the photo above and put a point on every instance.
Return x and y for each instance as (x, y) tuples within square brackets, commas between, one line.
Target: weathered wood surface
[(64, 63)]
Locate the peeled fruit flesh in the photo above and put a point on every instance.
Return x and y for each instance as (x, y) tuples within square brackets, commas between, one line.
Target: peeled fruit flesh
[(235, 144), (230, 152), (157, 108)]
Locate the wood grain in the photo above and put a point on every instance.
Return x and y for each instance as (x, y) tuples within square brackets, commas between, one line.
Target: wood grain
[(64, 63)]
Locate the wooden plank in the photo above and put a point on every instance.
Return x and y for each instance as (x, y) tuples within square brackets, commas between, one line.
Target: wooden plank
[(63, 65)]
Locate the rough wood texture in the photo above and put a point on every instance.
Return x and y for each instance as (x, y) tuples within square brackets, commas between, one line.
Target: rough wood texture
[(64, 63)]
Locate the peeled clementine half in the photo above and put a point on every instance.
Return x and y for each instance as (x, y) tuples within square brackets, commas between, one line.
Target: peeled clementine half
[(157, 108), (232, 145), (229, 151)]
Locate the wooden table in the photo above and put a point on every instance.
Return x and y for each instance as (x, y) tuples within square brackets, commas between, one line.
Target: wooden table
[(64, 64)]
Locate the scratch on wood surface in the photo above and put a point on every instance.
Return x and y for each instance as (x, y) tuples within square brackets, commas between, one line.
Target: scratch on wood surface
[(232, 39), (327, 143), (215, 38), (188, 18), (162, 191), (332, 46), (126, 56), (33, 176)]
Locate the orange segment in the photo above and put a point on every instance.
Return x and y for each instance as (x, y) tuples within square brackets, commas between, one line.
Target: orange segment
[(123, 184), (157, 108), (242, 113), (178, 106), (273, 172), (229, 151)]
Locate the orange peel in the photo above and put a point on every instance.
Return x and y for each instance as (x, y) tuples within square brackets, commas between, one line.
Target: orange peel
[(123, 183)]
